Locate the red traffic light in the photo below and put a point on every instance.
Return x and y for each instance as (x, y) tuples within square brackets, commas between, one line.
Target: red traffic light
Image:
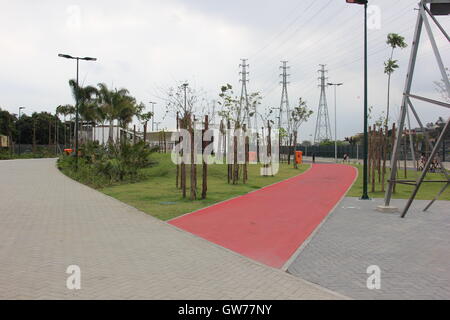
[(358, 1)]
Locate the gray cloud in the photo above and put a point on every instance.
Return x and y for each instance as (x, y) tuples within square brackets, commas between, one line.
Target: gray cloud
[(146, 45)]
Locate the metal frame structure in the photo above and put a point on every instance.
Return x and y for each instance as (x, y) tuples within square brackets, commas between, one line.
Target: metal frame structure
[(422, 22), (323, 126), (244, 95), (284, 104)]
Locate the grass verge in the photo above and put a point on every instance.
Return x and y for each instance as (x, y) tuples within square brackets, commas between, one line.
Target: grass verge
[(427, 192), (158, 196)]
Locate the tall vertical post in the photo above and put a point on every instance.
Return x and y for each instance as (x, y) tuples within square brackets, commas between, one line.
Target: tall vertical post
[(335, 124), (153, 116), (335, 118), (76, 118), (365, 195)]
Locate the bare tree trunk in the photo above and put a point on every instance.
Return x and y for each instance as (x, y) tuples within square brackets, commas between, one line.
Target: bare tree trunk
[(235, 161), (177, 174), (165, 141), (269, 145), (295, 146), (193, 165), (394, 134), (258, 160), (245, 166), (183, 165), (134, 134), (379, 152), (205, 166), (230, 166), (289, 149), (385, 146)]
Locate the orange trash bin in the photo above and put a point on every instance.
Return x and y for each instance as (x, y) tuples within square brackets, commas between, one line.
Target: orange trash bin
[(299, 157)]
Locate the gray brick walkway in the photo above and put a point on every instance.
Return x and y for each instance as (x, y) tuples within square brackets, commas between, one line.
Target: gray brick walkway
[(48, 222), (413, 254)]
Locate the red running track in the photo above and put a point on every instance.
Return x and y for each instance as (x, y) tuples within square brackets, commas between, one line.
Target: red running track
[(270, 224)]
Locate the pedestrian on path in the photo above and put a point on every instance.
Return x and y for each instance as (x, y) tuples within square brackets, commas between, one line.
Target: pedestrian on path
[(345, 158), (314, 157)]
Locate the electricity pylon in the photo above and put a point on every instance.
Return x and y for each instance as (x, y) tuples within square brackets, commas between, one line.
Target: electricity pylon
[(323, 127), (284, 116), (244, 95)]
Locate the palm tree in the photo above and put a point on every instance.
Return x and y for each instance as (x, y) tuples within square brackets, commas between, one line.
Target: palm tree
[(87, 102), (145, 117), (127, 108), (394, 41), (105, 97), (64, 110)]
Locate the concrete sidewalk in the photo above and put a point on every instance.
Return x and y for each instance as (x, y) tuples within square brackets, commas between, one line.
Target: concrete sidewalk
[(413, 254), (49, 222)]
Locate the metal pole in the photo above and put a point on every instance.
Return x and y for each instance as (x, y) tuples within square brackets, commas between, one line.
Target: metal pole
[(335, 123), (365, 195), (20, 109), (76, 118), (153, 116)]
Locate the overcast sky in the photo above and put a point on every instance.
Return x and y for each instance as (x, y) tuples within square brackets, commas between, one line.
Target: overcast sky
[(146, 45)]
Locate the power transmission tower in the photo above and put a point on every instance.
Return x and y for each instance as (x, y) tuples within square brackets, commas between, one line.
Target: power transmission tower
[(323, 127), (437, 7), (284, 105), (244, 95)]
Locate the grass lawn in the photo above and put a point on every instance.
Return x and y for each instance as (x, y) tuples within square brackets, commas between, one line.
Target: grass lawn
[(427, 191), (158, 196)]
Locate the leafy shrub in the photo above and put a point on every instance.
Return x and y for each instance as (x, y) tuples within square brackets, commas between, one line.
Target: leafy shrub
[(100, 166)]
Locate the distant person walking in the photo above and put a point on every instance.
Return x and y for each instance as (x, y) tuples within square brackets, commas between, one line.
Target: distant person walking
[(345, 158), (314, 157)]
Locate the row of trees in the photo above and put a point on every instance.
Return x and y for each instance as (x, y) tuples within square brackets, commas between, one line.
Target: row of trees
[(188, 107), (102, 105), (97, 106), (40, 128)]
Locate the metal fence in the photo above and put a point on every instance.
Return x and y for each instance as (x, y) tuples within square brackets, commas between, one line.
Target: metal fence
[(356, 151)]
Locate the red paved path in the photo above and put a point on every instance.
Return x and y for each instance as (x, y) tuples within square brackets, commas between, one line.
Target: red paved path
[(269, 225)]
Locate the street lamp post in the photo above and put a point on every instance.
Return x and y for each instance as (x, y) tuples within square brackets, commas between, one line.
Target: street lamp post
[(335, 118), (153, 116), (20, 135), (365, 195), (66, 56)]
